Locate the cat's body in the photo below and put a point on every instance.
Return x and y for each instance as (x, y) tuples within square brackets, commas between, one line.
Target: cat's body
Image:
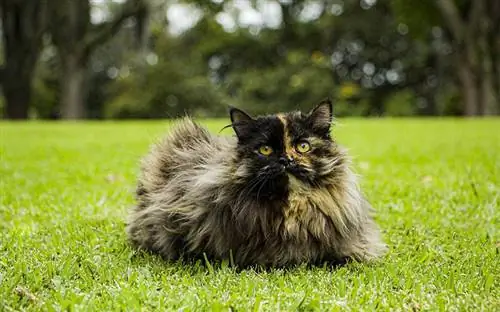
[(255, 199)]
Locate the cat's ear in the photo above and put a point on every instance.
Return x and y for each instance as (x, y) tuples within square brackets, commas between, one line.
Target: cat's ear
[(321, 117), (239, 120)]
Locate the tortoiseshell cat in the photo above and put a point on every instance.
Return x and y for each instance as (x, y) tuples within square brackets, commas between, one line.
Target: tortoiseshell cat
[(281, 193)]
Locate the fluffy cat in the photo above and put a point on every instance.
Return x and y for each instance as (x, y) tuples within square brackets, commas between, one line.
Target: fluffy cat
[(280, 193)]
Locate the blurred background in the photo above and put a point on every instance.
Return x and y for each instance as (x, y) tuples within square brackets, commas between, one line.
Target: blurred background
[(110, 59)]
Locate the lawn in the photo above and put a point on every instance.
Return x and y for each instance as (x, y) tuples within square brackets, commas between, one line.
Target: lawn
[(65, 189)]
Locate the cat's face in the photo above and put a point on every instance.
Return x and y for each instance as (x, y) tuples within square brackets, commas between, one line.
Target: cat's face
[(281, 151)]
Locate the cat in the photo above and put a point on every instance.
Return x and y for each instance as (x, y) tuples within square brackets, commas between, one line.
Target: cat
[(280, 193)]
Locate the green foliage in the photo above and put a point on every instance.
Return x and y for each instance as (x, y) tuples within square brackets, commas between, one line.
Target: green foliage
[(349, 108), (66, 188), (361, 64), (296, 83), (172, 83), (45, 97), (401, 103), (449, 102), (420, 16), (206, 68), (2, 105)]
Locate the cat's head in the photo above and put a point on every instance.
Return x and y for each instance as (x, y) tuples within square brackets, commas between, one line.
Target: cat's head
[(276, 152)]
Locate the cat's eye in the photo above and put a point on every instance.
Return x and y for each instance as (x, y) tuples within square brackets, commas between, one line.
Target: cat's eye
[(303, 147), (265, 150)]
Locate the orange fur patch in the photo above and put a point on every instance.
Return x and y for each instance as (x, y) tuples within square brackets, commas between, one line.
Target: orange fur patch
[(289, 148), (298, 209)]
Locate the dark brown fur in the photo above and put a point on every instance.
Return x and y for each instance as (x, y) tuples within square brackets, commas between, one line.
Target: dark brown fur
[(199, 193)]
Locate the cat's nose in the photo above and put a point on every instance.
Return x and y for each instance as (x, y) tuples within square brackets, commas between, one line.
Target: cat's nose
[(285, 160)]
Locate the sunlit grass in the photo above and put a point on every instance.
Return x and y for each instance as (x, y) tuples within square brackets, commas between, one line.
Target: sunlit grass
[(65, 190)]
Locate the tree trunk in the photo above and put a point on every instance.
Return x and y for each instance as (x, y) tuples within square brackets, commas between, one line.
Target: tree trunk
[(488, 105), (496, 75), (17, 94), (75, 38), (73, 89), (22, 28), (469, 89), (468, 33), (494, 53)]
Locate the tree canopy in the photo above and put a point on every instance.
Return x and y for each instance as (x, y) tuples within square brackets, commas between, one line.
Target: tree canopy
[(372, 57)]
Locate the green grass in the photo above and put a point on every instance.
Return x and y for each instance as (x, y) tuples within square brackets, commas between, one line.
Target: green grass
[(66, 188)]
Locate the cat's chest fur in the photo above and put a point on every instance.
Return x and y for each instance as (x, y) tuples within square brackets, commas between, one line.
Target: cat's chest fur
[(312, 215), (298, 229), (301, 217)]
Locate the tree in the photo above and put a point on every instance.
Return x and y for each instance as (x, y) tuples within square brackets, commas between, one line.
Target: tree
[(75, 38), (474, 30), (306, 58), (23, 25), (476, 36), (172, 81)]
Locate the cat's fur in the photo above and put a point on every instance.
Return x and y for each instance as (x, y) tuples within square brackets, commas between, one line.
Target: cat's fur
[(200, 193)]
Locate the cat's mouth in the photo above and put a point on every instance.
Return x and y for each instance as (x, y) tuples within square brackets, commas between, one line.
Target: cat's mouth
[(293, 168), (290, 166), (298, 173), (291, 171)]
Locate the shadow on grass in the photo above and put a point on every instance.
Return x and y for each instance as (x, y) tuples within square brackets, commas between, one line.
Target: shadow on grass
[(203, 265)]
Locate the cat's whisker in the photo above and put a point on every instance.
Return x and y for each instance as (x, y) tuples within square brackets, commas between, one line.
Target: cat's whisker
[(252, 185), (260, 188)]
